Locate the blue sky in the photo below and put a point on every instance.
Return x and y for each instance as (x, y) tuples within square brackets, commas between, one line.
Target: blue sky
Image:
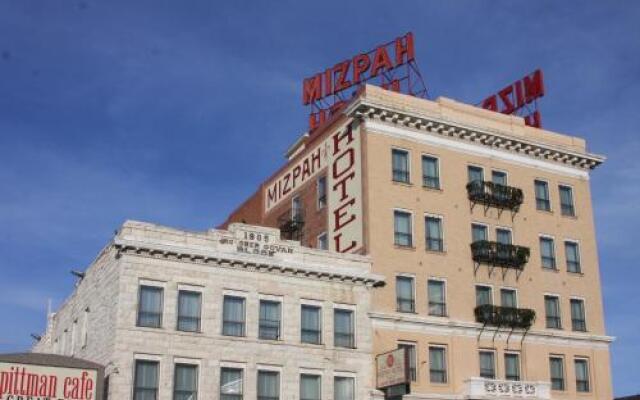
[(173, 111)]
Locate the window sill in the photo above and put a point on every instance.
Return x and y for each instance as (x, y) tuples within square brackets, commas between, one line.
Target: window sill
[(438, 252), (401, 247), (439, 316), (556, 270), (407, 312), (554, 329), (401, 183), (432, 189), (574, 217), (574, 273), (550, 212)]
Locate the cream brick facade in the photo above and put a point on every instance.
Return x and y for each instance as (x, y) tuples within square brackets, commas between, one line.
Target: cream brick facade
[(98, 321), (460, 136)]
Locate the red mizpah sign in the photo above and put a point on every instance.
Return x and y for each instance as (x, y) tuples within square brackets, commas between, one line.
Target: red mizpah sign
[(515, 99), (328, 92)]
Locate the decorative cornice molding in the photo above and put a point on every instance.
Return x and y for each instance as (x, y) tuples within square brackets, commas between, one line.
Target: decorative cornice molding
[(492, 139), (182, 255)]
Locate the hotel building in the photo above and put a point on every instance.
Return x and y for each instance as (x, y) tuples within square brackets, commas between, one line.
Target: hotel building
[(234, 314), (482, 228)]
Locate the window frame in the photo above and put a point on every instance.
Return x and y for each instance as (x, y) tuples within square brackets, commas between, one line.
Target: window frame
[(549, 200), (407, 153), (411, 226), (236, 295), (274, 300), (544, 237), (186, 362), (306, 372), (321, 201), (573, 200), (268, 369), (319, 240), (584, 313), (493, 357), (413, 374), (558, 318), (563, 378), (145, 359), (577, 359), (440, 219), (189, 289), (515, 292), (443, 281), (155, 286), (352, 309), (318, 305), (346, 376), (504, 229), (491, 292), (576, 243), (500, 171), (445, 372), (232, 366), (476, 166), (483, 225), (411, 277), (516, 354), (438, 178)]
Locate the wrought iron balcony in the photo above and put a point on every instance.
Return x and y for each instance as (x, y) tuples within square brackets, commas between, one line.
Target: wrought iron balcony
[(482, 388), (495, 195), (511, 317), (291, 224), (499, 254)]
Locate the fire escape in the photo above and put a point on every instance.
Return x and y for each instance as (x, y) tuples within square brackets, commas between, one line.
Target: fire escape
[(291, 224), (511, 318), (491, 194)]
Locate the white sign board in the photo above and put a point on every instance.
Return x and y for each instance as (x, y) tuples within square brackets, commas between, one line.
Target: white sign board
[(27, 381), (392, 368)]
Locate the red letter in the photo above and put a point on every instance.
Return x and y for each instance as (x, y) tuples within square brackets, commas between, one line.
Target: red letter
[(328, 82), (361, 64), (403, 50), (342, 183), (351, 160), (341, 81), (490, 103), (337, 138), (533, 119), (533, 86), (519, 94), (312, 89), (380, 60), (505, 95), (338, 214), (336, 238)]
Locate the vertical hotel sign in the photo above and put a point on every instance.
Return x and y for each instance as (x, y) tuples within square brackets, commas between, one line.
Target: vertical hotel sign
[(340, 155)]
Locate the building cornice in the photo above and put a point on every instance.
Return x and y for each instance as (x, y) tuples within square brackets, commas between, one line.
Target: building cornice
[(249, 263), (448, 327), (363, 110)]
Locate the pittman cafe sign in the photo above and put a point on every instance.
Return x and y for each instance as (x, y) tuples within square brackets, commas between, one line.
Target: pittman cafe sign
[(392, 373), (33, 376)]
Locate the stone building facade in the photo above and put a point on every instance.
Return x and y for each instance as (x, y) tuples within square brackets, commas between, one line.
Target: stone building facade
[(227, 314)]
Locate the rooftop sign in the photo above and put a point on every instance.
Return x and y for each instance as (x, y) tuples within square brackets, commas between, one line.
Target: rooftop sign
[(519, 98), (391, 65)]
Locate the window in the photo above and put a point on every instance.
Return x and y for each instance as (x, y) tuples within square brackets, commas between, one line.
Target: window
[(310, 387), (322, 192), (556, 365), (566, 201), (231, 384), (310, 324), (145, 380), (413, 362), (484, 295), (270, 316), (268, 385), (233, 316), (323, 244), (547, 253), (437, 299), (578, 322), (404, 294), (402, 228), (475, 173), (437, 365), (343, 388), (582, 374), (487, 365), (434, 233), (296, 208), (512, 366), (503, 236), (343, 328), (185, 382), (552, 309), (189, 311), (430, 172), (499, 178), (508, 298), (400, 165), (478, 232), (150, 307), (572, 254), (542, 195)]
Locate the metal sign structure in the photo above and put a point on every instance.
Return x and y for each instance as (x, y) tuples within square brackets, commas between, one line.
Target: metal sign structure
[(391, 65), (393, 373), (519, 98)]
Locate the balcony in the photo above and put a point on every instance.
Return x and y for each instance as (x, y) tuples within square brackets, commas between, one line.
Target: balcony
[(291, 224), (482, 388), (495, 195), (515, 318), (501, 255)]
